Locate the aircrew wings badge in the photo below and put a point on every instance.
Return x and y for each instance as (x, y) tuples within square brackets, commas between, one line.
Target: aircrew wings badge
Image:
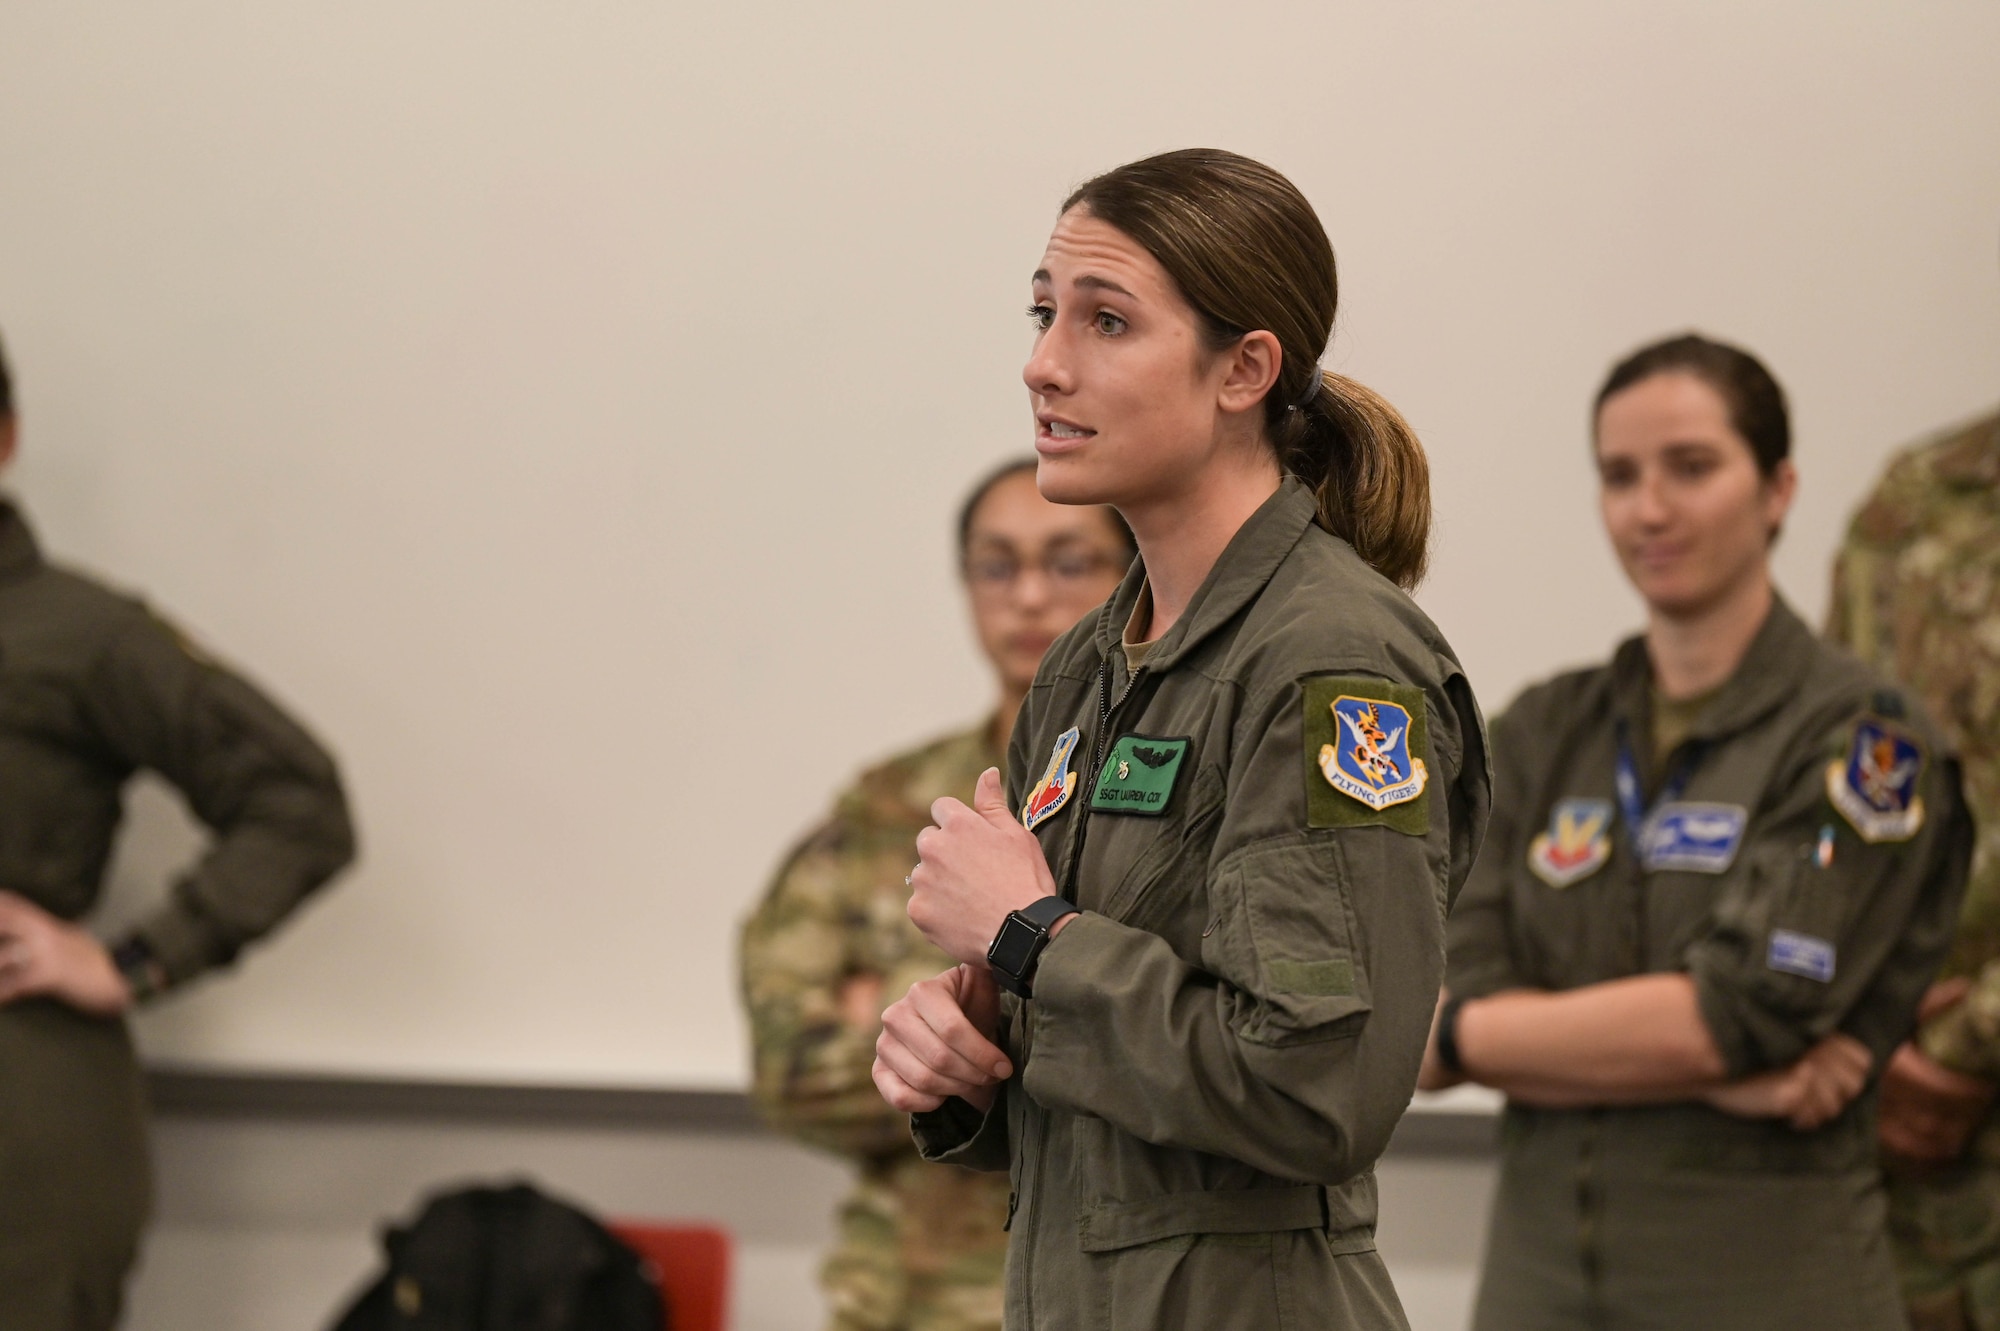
[(1577, 844), (1371, 760), (1875, 785), (1058, 783)]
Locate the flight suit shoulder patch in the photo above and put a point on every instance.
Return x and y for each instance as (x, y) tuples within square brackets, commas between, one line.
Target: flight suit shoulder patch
[(1364, 741), (1873, 784)]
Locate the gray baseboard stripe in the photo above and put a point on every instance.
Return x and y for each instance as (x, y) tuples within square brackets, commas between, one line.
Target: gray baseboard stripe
[(179, 1093)]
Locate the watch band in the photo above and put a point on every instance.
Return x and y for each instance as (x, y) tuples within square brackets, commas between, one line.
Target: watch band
[(143, 973), (1447, 1036), (1044, 913)]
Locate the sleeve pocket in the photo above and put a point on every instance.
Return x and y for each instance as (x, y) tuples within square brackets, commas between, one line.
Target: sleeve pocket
[(1283, 938)]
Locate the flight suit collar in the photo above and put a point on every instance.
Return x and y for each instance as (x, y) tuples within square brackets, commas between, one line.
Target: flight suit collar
[(1768, 675), (1246, 565), (18, 552)]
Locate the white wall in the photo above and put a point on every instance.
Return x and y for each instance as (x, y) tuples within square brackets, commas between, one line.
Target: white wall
[(563, 404)]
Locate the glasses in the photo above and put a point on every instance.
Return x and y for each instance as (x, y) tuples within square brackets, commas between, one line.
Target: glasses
[(1066, 570)]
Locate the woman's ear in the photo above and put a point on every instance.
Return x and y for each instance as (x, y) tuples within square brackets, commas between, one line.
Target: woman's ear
[(1253, 364), (1780, 487)]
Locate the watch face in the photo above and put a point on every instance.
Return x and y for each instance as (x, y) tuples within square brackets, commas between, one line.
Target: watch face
[(1013, 945)]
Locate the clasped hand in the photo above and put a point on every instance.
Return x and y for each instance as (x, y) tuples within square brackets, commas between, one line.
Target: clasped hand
[(976, 865), (1808, 1094), (42, 956)]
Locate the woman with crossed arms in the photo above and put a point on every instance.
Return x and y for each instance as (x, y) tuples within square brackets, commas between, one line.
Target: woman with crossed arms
[(1722, 869)]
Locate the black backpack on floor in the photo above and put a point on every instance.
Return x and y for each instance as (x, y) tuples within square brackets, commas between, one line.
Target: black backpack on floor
[(507, 1259)]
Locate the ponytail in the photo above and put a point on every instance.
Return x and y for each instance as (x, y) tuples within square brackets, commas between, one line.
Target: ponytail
[(1367, 471)]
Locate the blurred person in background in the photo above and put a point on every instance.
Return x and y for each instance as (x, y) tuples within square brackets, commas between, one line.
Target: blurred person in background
[(95, 687), (920, 1246), (1917, 596), (1722, 871)]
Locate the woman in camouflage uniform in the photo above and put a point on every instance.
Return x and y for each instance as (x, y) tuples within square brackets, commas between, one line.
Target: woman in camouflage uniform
[(1722, 870), (920, 1246)]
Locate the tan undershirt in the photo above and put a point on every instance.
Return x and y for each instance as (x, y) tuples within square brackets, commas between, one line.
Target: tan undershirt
[(1142, 616), (1673, 722)]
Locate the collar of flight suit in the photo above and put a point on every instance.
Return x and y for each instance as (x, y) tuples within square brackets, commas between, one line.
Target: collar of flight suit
[(18, 552), (1767, 676), (1246, 565)]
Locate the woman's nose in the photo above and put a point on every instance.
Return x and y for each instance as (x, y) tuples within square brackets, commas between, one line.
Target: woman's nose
[(1047, 370)]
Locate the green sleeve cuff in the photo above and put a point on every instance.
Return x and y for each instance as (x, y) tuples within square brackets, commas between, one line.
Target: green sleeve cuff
[(957, 1134)]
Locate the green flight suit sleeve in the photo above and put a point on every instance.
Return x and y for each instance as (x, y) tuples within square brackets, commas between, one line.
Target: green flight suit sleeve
[(1292, 1042), (264, 787), (813, 1069), (1479, 934), (1885, 912)]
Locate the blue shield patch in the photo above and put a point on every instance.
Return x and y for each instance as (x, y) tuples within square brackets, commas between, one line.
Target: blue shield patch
[(1875, 786), (1800, 954), (1692, 837), (1370, 758)]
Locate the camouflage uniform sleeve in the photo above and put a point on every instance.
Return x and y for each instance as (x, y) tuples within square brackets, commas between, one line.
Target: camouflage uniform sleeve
[(266, 788), (1966, 1037), (812, 1068)]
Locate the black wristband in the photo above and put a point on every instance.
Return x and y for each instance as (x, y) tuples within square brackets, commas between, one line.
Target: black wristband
[(144, 975), (1447, 1036)]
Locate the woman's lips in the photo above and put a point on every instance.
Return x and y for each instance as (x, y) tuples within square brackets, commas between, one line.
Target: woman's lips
[(1056, 436)]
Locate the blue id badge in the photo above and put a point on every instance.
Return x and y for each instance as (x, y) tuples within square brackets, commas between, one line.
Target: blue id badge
[(1800, 954)]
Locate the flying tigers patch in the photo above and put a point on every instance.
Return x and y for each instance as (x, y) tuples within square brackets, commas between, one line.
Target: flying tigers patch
[(1875, 785), (1365, 738), (1139, 775)]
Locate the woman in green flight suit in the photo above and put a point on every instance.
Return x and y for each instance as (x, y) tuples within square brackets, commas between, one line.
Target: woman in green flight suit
[(1240, 797), (1721, 872), (94, 687)]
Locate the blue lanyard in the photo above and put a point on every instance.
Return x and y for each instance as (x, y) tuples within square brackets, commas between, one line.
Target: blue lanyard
[(1631, 792)]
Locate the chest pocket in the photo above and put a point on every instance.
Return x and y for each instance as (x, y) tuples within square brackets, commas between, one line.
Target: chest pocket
[(1165, 889)]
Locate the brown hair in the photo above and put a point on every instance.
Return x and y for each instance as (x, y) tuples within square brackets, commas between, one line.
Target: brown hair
[(1749, 391), (1247, 252)]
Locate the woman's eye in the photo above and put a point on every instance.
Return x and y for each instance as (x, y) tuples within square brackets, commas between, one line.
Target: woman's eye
[(1616, 478), (1693, 469), (1041, 316), (1109, 324)]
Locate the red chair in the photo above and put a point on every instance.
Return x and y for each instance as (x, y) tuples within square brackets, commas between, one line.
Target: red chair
[(693, 1265)]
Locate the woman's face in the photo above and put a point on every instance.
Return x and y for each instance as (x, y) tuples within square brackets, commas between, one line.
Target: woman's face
[(1033, 569), (1128, 400), (1687, 510)]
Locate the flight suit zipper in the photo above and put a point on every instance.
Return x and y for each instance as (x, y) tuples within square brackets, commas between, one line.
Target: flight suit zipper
[(1106, 708)]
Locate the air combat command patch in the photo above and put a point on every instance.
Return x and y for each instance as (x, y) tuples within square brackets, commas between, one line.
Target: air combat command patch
[(1875, 785), (1057, 783), (1139, 775), (1363, 741), (1577, 844)]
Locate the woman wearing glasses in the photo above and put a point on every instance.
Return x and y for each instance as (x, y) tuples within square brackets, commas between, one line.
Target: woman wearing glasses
[(919, 1245), (1238, 798), (1722, 870)]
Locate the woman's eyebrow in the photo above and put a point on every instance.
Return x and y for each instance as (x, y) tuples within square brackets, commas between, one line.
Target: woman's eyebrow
[(1089, 280)]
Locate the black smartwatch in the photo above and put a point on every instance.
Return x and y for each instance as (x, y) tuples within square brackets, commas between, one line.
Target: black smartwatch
[(1017, 948)]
